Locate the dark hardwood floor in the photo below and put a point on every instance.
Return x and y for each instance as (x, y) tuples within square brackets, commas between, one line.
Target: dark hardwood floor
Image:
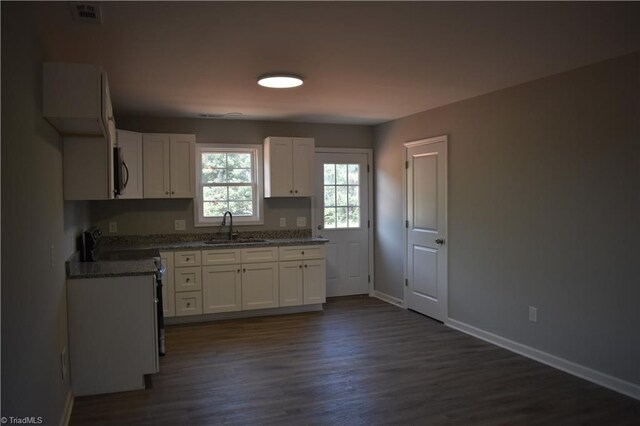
[(361, 361)]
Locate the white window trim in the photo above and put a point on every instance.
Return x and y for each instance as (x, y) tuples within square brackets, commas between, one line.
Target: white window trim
[(258, 217)]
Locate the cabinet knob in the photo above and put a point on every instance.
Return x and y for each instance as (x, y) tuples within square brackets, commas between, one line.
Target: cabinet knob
[(238, 270), (187, 279), (306, 266), (291, 191), (167, 193), (244, 269), (296, 191), (188, 303), (302, 252), (173, 192), (300, 266), (187, 259)]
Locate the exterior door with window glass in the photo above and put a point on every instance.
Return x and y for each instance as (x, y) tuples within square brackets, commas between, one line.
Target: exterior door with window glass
[(342, 216)]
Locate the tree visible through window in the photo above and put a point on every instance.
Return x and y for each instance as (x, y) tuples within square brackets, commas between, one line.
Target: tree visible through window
[(229, 181), (341, 196)]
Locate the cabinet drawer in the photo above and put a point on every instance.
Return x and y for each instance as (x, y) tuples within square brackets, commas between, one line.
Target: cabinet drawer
[(260, 254), (301, 252), (220, 257), (189, 303), (188, 279), (186, 258)]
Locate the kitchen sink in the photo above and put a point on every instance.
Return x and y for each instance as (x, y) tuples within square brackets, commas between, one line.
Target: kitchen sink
[(236, 241)]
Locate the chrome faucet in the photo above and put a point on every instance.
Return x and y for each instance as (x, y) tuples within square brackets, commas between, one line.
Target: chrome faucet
[(224, 222)]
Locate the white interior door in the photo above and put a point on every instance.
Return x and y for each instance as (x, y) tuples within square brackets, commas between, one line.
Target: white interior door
[(342, 216), (426, 253)]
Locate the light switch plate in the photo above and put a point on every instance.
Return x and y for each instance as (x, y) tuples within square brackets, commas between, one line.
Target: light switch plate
[(180, 225), (113, 227), (533, 314), (283, 222), (301, 221)]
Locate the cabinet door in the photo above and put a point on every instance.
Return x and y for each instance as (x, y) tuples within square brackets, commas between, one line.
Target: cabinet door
[(131, 145), (156, 165), (278, 167), (290, 283), (315, 286), (221, 289), (168, 289), (183, 177), (107, 111), (188, 279), (303, 169), (260, 286)]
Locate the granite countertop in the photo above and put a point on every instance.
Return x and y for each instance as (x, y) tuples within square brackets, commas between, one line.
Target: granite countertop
[(176, 242), (109, 268), (203, 245)]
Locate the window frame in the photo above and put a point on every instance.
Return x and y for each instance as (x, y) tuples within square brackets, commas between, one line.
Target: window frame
[(257, 161), (347, 185)]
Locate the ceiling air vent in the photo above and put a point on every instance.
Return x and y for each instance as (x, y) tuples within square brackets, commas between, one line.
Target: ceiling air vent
[(86, 12)]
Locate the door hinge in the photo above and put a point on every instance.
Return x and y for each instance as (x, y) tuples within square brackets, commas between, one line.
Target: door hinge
[(406, 282), (369, 278), (406, 224), (368, 224), (367, 168), (406, 164)]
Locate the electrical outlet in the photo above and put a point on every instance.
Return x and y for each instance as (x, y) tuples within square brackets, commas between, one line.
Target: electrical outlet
[(301, 221), (113, 227), (64, 367), (283, 222), (533, 314), (180, 225)]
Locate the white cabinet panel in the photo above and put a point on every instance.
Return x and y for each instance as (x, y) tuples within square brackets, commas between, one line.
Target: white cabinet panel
[(291, 283), (131, 145), (189, 303), (188, 279), (221, 288), (260, 286), (221, 257), (182, 174), (315, 282), (288, 167), (301, 252), (156, 165), (260, 254), (187, 258)]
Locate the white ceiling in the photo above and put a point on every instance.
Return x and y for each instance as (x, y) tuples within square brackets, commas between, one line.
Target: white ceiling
[(363, 62)]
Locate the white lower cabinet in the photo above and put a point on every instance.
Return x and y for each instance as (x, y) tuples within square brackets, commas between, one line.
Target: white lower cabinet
[(314, 281), (221, 288), (290, 283), (260, 286), (231, 280), (188, 303), (302, 282)]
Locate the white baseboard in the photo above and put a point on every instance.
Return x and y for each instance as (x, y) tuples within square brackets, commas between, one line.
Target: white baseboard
[(68, 407), (389, 299), (602, 379), (244, 314)]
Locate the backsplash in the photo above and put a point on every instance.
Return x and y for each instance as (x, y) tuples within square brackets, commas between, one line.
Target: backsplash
[(126, 240)]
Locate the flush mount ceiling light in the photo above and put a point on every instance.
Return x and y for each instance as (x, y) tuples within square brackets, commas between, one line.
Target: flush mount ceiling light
[(280, 81)]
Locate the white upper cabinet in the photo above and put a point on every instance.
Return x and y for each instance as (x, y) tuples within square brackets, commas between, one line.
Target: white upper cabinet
[(288, 167), (168, 165), (76, 100), (131, 145)]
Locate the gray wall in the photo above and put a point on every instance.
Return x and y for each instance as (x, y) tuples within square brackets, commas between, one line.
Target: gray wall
[(544, 210), (158, 216), (34, 218)]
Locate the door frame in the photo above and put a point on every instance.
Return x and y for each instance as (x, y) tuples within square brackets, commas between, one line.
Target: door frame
[(405, 214), (314, 219)]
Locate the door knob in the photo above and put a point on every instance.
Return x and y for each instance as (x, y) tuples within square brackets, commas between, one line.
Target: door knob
[(319, 227), (440, 241)]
